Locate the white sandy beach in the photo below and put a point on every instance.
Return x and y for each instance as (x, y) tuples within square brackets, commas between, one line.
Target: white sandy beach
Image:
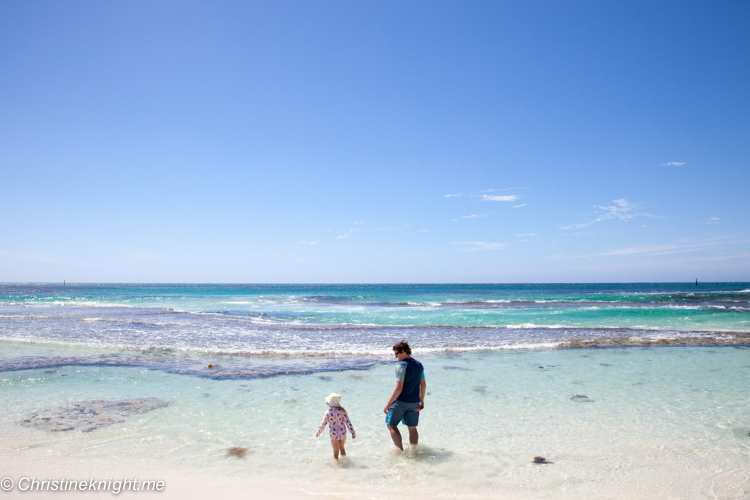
[(644, 482)]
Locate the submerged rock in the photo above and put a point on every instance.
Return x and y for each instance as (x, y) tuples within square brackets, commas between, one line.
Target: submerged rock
[(581, 398), (87, 416), (693, 339), (237, 451)]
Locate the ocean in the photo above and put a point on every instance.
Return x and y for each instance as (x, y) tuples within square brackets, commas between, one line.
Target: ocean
[(632, 390)]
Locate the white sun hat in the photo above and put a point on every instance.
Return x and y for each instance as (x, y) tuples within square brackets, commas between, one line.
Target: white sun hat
[(333, 399)]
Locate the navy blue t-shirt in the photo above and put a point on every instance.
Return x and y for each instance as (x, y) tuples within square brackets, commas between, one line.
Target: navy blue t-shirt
[(410, 372)]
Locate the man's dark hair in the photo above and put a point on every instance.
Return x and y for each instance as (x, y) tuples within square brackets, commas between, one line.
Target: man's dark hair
[(402, 347)]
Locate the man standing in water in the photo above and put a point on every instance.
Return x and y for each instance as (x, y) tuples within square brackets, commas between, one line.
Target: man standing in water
[(408, 396)]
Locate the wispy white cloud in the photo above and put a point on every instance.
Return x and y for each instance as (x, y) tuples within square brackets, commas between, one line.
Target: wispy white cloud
[(503, 197), (619, 210), (307, 242), (470, 246), (524, 235), (673, 164), (663, 249), (474, 216), (521, 205), (348, 233), (489, 197), (711, 220), (659, 249), (719, 257)]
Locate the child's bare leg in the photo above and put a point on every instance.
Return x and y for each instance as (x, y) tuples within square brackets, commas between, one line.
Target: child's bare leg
[(335, 445), (341, 446)]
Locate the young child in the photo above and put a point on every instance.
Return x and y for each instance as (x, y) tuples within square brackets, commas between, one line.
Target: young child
[(337, 420)]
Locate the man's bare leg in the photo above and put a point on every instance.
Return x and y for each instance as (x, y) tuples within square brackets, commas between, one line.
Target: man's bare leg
[(396, 436), (413, 435)]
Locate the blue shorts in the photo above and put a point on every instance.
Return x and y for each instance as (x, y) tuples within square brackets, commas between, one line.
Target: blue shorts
[(401, 411)]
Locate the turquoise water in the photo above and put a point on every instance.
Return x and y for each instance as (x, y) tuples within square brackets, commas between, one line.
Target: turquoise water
[(617, 423), (351, 326), (314, 318), (708, 306), (91, 372)]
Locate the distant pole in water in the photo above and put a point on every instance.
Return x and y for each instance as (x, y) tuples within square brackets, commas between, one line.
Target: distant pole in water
[(63, 282), (696, 281)]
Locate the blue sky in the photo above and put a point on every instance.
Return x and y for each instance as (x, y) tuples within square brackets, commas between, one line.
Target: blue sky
[(432, 141)]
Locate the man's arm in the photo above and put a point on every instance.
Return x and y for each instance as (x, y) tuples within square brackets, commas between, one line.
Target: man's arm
[(422, 392), (396, 393)]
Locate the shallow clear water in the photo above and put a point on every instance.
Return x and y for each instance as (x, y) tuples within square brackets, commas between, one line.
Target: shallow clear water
[(654, 422)]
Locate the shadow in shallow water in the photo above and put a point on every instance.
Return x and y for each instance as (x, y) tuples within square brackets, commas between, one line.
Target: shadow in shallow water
[(87, 416)]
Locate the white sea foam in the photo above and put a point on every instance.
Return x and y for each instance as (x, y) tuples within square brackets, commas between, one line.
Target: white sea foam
[(24, 316), (336, 350), (88, 303)]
